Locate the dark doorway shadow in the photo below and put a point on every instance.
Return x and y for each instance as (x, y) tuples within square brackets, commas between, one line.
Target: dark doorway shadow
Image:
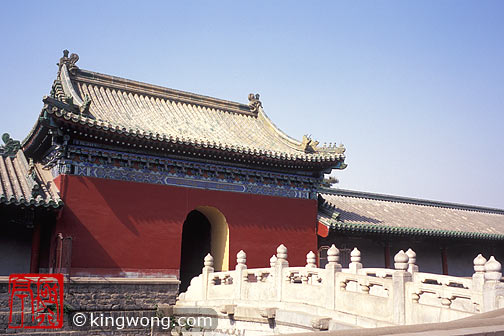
[(196, 244)]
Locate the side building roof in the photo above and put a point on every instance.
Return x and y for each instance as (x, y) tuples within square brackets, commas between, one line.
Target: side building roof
[(23, 183), (354, 211), (167, 117)]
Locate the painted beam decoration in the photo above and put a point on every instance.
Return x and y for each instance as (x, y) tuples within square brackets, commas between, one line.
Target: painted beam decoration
[(116, 165)]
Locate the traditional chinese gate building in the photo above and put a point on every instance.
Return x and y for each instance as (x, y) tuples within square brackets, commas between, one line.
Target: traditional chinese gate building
[(153, 178)]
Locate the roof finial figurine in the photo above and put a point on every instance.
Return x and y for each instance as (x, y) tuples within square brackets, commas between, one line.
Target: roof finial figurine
[(84, 108), (11, 146), (69, 61), (254, 102), (329, 181), (308, 145)]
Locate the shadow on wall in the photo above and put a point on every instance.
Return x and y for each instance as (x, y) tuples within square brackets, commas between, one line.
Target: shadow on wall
[(122, 225), (88, 256)]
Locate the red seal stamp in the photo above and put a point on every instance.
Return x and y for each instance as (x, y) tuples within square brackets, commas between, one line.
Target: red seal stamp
[(36, 301)]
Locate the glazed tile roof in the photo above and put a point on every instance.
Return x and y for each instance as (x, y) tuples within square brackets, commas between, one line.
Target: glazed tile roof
[(153, 112), (25, 184), (365, 212)]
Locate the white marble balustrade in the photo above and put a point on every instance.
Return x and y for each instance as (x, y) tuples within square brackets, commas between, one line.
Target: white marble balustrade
[(358, 295)]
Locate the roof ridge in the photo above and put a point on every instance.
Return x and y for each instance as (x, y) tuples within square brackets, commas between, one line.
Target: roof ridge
[(68, 71), (409, 200), (129, 85)]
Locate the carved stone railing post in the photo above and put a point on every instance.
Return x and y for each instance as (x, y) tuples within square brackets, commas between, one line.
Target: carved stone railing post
[(280, 264), (412, 266), (479, 272), (333, 259), (311, 260), (241, 265), (493, 276), (241, 260), (206, 274), (282, 256), (399, 279), (355, 258), (493, 270), (332, 268), (273, 260)]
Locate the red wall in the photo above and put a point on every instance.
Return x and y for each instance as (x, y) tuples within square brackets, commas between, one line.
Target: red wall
[(136, 227)]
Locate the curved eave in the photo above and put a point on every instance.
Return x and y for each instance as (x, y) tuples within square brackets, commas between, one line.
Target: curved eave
[(291, 142), (38, 139), (28, 142), (403, 231), (301, 161)]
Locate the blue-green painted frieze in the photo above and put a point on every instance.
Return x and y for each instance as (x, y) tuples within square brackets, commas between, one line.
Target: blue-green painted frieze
[(114, 165)]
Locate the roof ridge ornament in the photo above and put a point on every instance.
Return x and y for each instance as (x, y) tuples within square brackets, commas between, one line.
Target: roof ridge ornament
[(332, 149), (254, 102), (11, 146), (328, 182), (308, 145), (84, 108), (34, 180), (69, 62)]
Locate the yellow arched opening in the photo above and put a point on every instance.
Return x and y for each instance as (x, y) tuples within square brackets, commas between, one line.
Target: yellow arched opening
[(219, 243)]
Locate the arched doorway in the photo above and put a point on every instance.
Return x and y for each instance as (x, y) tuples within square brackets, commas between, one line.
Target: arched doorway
[(205, 231)]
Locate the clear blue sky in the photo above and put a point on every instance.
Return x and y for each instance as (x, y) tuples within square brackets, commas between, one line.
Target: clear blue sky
[(413, 89)]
